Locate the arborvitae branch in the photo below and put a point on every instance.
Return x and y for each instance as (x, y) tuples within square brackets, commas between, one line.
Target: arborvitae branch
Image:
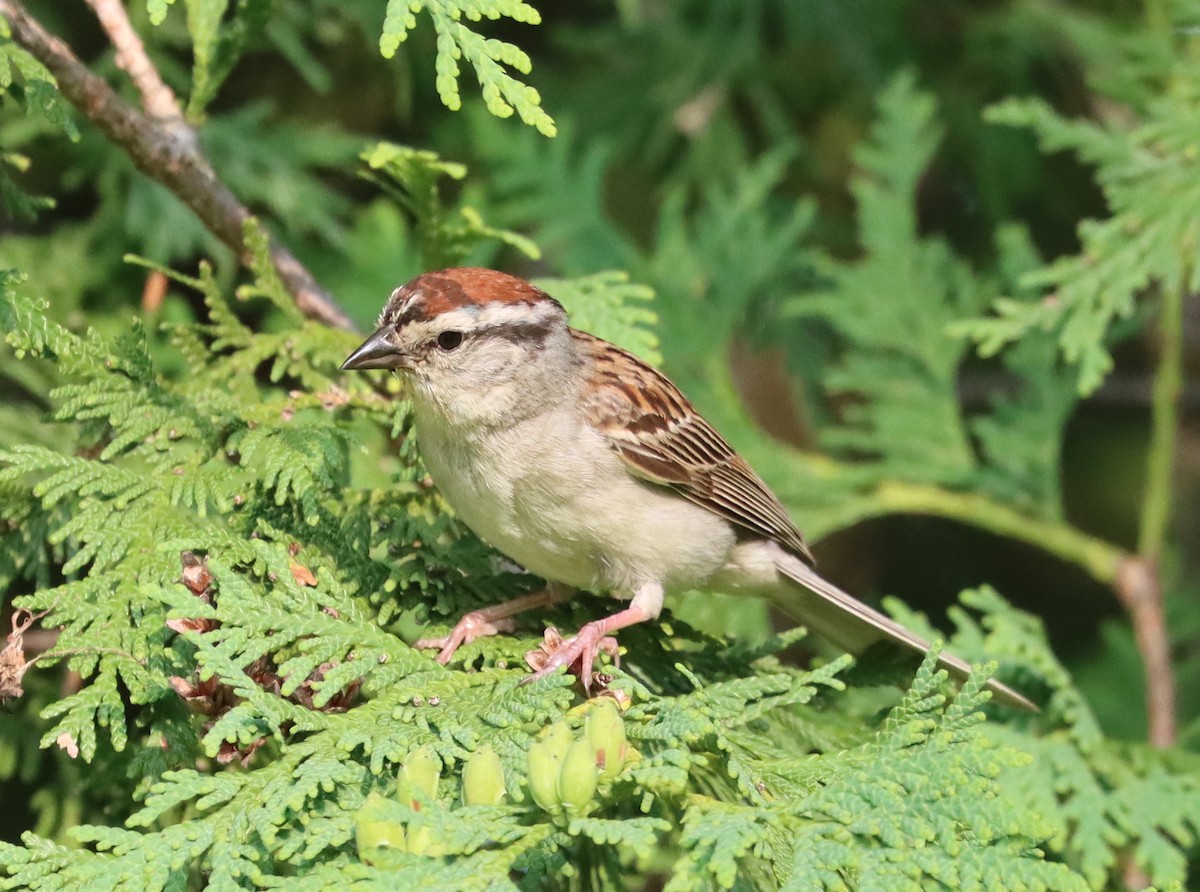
[(168, 152), (1141, 583)]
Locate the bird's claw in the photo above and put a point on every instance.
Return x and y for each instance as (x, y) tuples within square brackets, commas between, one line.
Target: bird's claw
[(473, 625), (578, 653)]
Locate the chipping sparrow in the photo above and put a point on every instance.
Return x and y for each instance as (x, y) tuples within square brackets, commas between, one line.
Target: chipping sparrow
[(590, 469)]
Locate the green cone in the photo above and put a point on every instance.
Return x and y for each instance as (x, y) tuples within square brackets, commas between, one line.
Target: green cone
[(483, 778), (578, 776)]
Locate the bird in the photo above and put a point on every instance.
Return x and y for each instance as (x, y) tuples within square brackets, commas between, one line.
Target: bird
[(590, 469)]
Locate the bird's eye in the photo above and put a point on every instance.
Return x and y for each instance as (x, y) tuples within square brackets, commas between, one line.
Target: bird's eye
[(448, 340)]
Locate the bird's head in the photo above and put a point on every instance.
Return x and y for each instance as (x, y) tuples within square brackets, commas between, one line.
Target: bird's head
[(468, 334)]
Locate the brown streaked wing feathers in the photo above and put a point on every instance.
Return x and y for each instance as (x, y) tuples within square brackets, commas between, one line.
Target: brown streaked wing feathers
[(653, 427)]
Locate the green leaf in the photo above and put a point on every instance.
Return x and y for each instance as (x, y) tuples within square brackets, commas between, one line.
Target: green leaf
[(502, 93), (36, 88), (894, 306), (1146, 169), (609, 306), (204, 24), (445, 236)]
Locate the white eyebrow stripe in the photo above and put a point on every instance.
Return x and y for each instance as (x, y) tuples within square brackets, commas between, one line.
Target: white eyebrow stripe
[(495, 315)]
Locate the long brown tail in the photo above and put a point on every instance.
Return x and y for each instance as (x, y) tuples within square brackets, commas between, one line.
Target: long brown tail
[(849, 623)]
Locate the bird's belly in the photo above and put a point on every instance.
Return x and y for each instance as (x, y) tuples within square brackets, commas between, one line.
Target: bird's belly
[(519, 514), (545, 541), (576, 516)]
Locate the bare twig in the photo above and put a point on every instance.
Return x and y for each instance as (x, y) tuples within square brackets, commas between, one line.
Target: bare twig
[(158, 151), (1140, 590), (157, 98), (1140, 582)]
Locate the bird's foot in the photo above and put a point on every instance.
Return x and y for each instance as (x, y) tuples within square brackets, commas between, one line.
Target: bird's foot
[(490, 621), (473, 625), (578, 653)]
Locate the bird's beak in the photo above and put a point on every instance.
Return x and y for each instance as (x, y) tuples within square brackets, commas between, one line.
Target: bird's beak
[(377, 352)]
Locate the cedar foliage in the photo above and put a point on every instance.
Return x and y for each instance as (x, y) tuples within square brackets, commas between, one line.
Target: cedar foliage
[(236, 543)]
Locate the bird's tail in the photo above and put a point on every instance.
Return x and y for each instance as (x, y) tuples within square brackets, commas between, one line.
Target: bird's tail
[(849, 623)]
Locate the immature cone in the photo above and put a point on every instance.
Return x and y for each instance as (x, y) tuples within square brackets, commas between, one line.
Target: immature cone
[(483, 779), (421, 842), (544, 765), (419, 776), (605, 731), (578, 777), (371, 833), (558, 738)]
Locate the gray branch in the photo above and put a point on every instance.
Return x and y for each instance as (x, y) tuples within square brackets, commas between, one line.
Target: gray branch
[(166, 150)]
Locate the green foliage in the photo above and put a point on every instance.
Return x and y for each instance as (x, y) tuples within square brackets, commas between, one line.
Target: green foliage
[(712, 268), (25, 78), (445, 237), (900, 362), (1146, 167), (850, 827), (609, 305), (1093, 793), (502, 93), (216, 44), (18, 205), (902, 365), (26, 81), (219, 40)]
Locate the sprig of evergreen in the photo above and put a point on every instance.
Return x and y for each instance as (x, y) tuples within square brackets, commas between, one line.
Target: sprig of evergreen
[(445, 236), (23, 76), (27, 80), (903, 364), (502, 93), (219, 40), (1147, 171)]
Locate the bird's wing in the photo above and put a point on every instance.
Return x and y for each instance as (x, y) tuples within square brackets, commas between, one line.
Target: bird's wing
[(653, 427)]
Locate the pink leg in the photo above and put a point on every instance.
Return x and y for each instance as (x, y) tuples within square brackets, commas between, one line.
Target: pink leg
[(489, 621), (591, 639)]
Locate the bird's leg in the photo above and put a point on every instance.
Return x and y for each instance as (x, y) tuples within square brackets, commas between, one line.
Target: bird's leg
[(594, 636), (490, 621)]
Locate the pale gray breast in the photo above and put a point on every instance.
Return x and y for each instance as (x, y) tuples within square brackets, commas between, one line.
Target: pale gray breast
[(519, 489), (553, 495)]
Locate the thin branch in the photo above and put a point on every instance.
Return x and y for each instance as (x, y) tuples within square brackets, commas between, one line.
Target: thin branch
[(1164, 413), (1140, 582), (157, 98), (1140, 590), (1100, 559), (158, 151)]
